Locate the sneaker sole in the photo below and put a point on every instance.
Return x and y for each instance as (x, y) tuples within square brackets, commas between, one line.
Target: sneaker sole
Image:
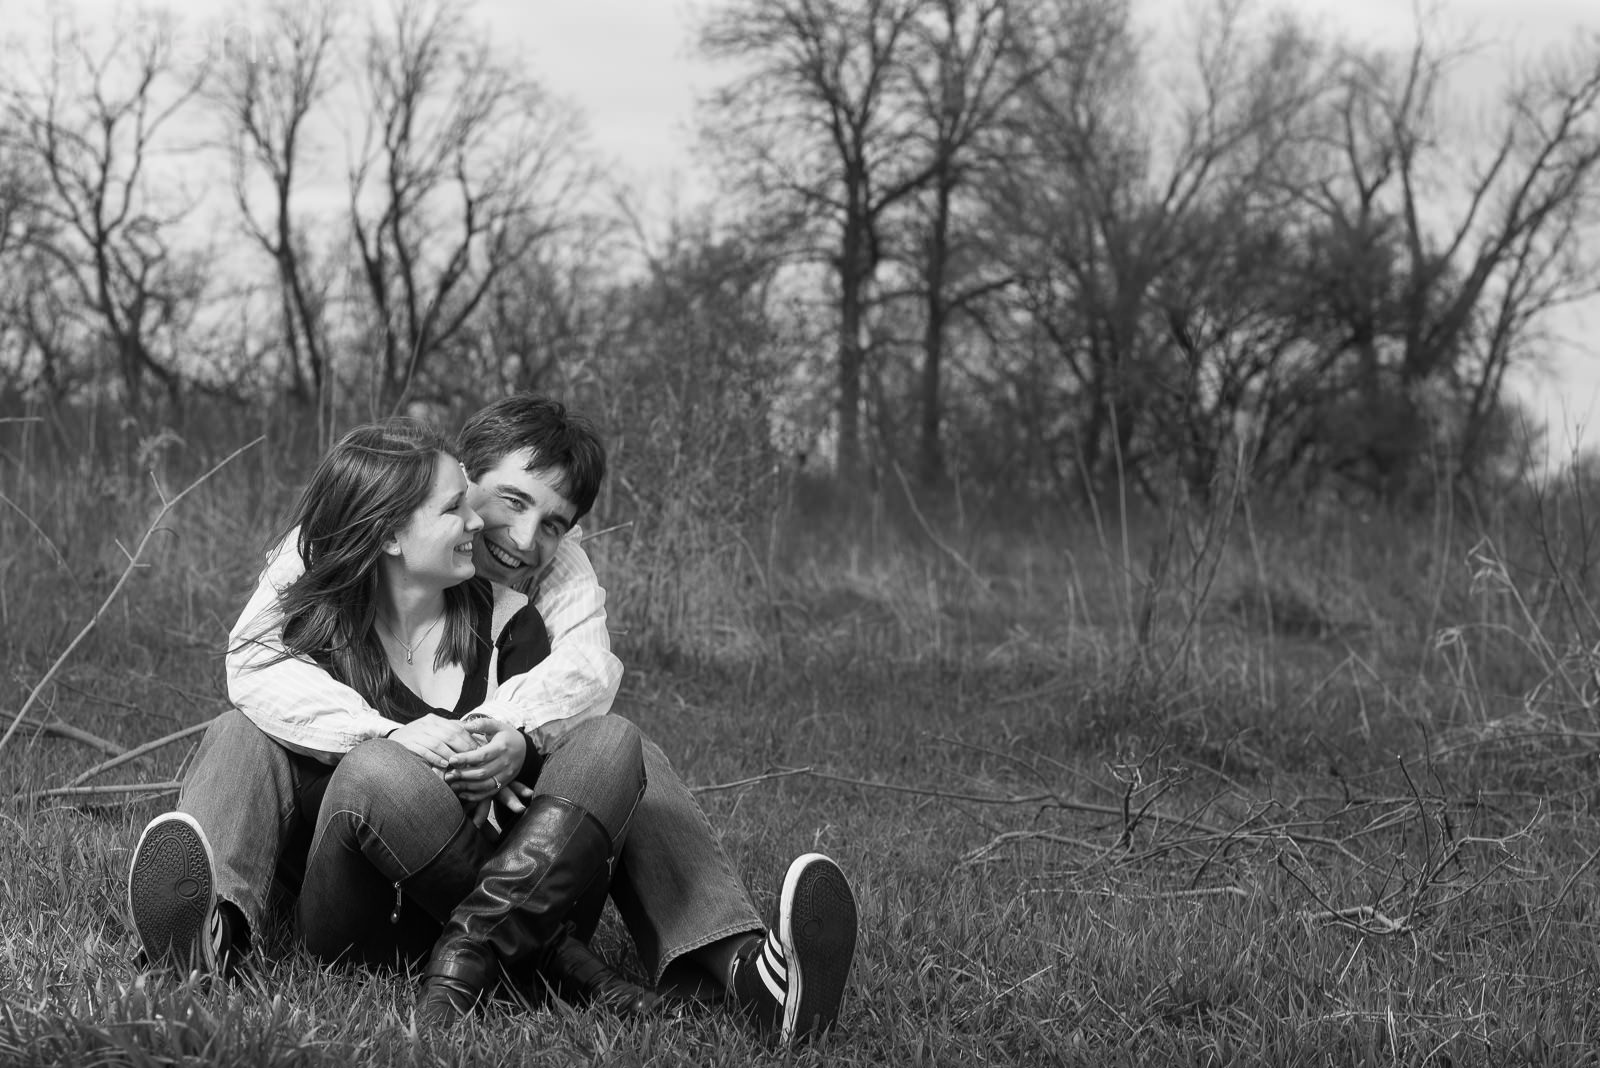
[(817, 927), (172, 893)]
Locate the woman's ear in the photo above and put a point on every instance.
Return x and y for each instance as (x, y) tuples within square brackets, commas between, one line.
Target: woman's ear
[(391, 546)]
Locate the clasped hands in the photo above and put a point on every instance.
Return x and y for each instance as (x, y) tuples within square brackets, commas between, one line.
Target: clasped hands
[(478, 758)]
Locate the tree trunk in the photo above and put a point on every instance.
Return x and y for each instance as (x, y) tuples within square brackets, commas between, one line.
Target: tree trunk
[(854, 273), (931, 453)]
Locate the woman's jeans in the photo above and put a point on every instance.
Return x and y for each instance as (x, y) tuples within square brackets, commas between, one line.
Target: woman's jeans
[(673, 885)]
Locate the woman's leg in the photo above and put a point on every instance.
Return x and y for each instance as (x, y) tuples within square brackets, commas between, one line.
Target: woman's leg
[(394, 852), (548, 861)]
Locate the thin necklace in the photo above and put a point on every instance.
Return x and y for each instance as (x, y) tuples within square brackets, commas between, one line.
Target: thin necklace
[(411, 649)]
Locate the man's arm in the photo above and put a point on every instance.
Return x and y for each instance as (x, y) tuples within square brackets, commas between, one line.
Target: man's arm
[(293, 701), (581, 675)]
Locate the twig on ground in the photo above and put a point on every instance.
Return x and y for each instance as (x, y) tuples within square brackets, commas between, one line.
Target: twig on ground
[(948, 795), (134, 754), (972, 857), (119, 788), (77, 734), (768, 777), (998, 754), (1363, 918), (167, 505), (1155, 895)]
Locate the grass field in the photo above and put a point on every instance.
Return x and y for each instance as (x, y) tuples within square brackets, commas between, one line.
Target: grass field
[(1188, 788)]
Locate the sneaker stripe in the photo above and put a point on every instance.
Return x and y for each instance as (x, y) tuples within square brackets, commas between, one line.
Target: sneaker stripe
[(772, 957), (775, 983)]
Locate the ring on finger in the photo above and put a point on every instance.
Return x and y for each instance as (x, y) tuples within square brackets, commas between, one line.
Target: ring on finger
[(496, 781)]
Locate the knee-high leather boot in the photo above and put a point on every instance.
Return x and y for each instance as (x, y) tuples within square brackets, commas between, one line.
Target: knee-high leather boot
[(518, 910)]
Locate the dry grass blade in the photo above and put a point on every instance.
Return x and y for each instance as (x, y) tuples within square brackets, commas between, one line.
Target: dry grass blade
[(61, 561), (943, 546), (167, 505)]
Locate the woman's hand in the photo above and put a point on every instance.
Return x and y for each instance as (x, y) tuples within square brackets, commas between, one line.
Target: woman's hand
[(491, 767), (437, 740)]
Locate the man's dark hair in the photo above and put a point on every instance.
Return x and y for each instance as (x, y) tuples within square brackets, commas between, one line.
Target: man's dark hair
[(561, 441)]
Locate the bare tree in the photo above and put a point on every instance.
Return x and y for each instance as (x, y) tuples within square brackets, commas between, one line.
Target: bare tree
[(973, 66), (92, 127), (465, 166), (1124, 211), (1447, 248), (268, 94), (818, 127)]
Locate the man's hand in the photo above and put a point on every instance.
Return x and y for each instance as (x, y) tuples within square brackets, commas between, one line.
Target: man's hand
[(490, 768), (436, 740)]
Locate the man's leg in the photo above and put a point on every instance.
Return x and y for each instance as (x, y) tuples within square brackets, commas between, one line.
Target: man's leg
[(675, 886), (677, 891), (220, 848)]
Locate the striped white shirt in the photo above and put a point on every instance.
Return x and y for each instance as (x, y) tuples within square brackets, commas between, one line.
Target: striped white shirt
[(300, 705)]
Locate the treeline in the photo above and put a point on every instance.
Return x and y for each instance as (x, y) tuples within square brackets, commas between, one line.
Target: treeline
[(1040, 245)]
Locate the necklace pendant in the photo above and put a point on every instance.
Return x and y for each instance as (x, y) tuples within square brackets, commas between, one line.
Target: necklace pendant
[(408, 656)]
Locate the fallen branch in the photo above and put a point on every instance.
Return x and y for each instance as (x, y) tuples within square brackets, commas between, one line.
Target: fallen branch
[(979, 799), (768, 777), (120, 788), (1155, 895), (77, 734), (1363, 918), (133, 565), (974, 855), (134, 754)]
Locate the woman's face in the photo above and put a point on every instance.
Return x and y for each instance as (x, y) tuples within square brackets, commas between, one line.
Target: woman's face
[(435, 544)]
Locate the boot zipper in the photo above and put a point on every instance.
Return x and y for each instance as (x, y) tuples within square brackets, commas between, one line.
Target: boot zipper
[(394, 917)]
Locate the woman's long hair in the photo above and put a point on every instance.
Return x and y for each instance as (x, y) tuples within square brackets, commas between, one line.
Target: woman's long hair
[(362, 492)]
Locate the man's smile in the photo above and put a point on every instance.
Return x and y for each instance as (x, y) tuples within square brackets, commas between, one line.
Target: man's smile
[(501, 556)]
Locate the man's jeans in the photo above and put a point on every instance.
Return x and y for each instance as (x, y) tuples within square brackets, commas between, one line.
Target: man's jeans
[(674, 885)]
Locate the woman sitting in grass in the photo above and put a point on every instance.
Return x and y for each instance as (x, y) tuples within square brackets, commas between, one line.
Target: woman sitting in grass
[(403, 857)]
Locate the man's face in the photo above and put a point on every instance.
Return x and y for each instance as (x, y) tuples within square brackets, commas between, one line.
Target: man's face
[(524, 519)]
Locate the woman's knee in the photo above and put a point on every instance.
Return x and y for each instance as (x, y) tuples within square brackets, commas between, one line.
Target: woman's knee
[(380, 772)]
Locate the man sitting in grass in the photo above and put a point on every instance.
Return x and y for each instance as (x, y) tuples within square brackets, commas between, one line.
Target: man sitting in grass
[(200, 878)]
